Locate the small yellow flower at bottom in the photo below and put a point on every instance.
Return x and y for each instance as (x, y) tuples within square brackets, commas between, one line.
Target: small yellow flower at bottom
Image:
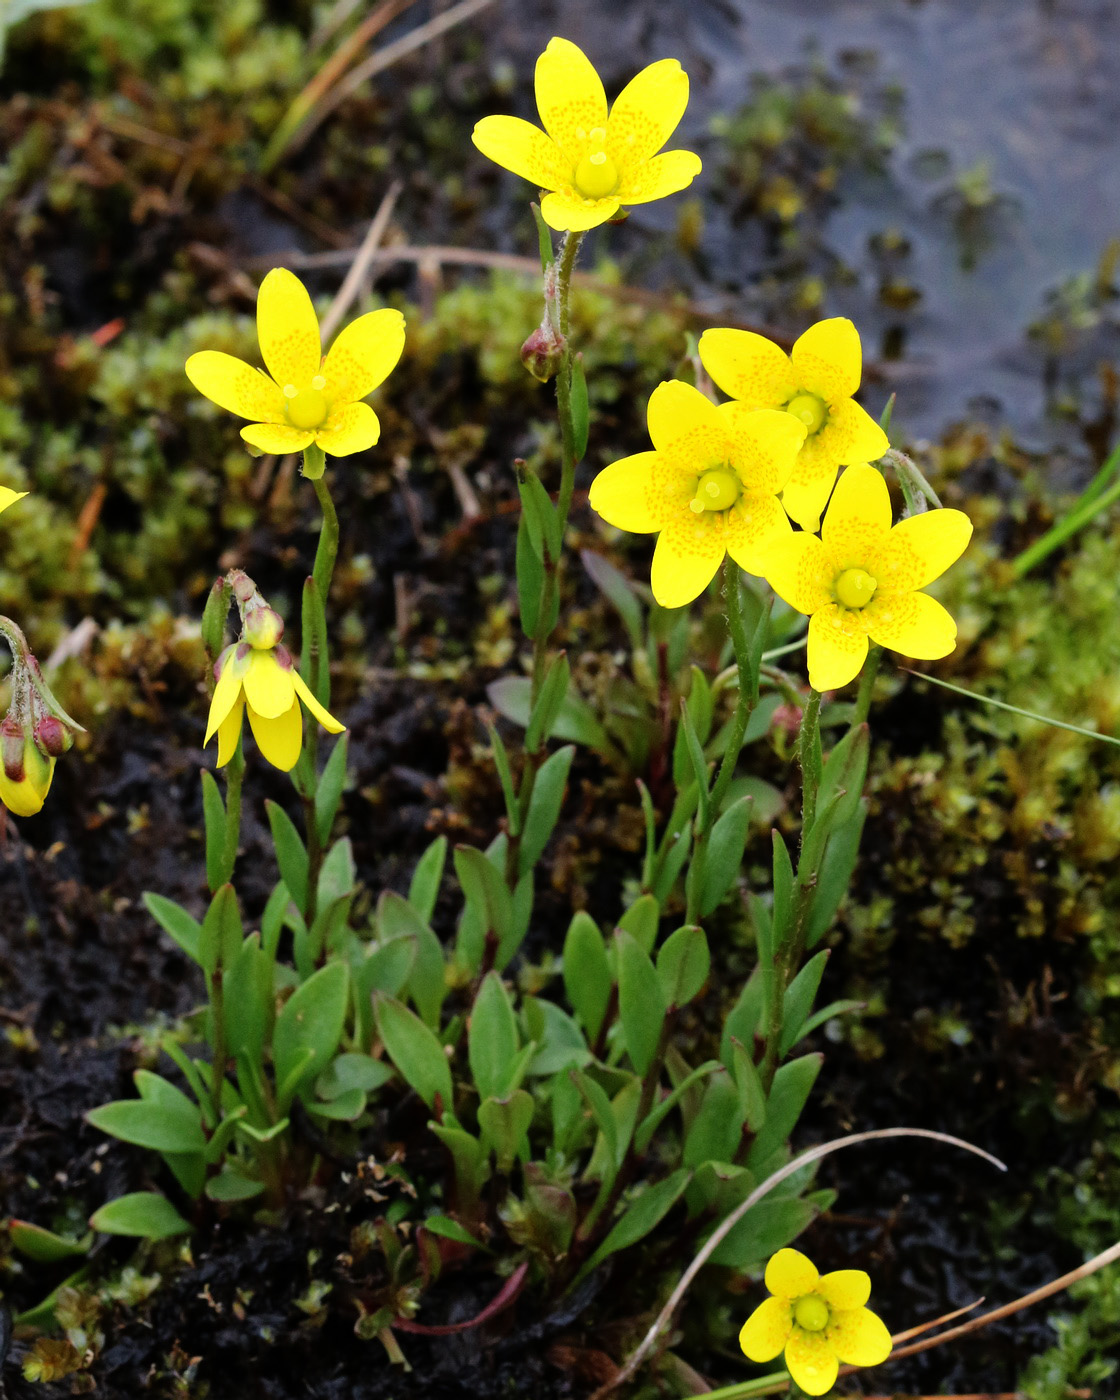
[(818, 1320), (307, 399), (24, 795), (709, 488), (861, 579), (264, 681)]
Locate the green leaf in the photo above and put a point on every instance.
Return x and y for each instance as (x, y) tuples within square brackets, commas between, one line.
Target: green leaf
[(617, 589), (470, 1162), (641, 921), (529, 572), (337, 876), (291, 854), (716, 1132), (581, 409), (309, 1028), (492, 1039), (587, 973), (314, 664), (575, 720), (143, 1213), (834, 875), (845, 771), (485, 891), (700, 710), (783, 892), (164, 1127), (222, 932), (560, 1042), (505, 1127), (553, 689), (826, 1013), (42, 1245), (724, 857), (248, 999), (799, 998), (752, 1096), (683, 963), (595, 1096), (540, 515), (644, 1214), (214, 819), (743, 1019), (449, 1229), (415, 1051), (174, 920), (788, 1094), (505, 777), (387, 968), (345, 1107), (544, 238), (328, 793), (230, 1185), (641, 1002), (352, 1071), (656, 1115), (698, 763), (767, 1227), (423, 889), (673, 863), (544, 807), (396, 918)]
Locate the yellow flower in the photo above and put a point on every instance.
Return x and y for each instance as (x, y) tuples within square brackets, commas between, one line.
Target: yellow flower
[(24, 796), (308, 399), (709, 488), (817, 1320), (815, 384), (263, 680), (861, 579), (591, 162), (8, 497)]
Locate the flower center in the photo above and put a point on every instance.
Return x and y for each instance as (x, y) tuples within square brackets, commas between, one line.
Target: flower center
[(811, 1313), (717, 489), (596, 175), (808, 409), (307, 408), (855, 588)]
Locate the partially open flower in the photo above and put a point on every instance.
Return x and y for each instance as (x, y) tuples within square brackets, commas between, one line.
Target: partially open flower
[(307, 399), (35, 731), (817, 1320), (26, 772)]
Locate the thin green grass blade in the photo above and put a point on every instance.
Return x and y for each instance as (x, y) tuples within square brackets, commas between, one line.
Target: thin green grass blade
[(1014, 709)]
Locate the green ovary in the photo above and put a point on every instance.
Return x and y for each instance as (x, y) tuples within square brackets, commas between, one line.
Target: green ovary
[(808, 409), (306, 408), (855, 588), (811, 1313), (717, 489), (596, 175)]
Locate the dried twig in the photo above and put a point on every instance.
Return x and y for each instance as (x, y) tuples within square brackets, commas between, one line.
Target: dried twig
[(347, 293)]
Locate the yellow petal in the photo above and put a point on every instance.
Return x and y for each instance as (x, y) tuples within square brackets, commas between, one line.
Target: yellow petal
[(352, 427), (755, 527), (229, 731), (236, 386), (748, 367), (279, 739), (850, 434), (26, 798), (806, 495), (663, 175), (525, 149), (646, 112), (767, 1330), (570, 97), (828, 360), (269, 688), (626, 496), (9, 497), (858, 1337), (363, 355), (686, 558), (911, 623), (325, 718), (811, 1362), (837, 647), (227, 691), (798, 570), (858, 519), (920, 549), (789, 1274), (678, 412), (570, 212), (288, 329), (845, 1288), (765, 444), (277, 437)]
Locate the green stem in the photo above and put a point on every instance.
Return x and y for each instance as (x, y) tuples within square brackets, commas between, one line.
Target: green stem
[(566, 266), (327, 551), (235, 772), (772, 1384), (217, 1013), (809, 754), (867, 685)]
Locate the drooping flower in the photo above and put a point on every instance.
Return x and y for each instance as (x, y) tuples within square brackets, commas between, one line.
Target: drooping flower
[(861, 579), (815, 384), (257, 674), (591, 162), (307, 399), (709, 488), (26, 772), (818, 1320)]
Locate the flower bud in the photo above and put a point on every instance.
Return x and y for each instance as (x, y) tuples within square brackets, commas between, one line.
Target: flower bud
[(52, 737), (543, 352), (214, 616), (24, 794), (262, 628)]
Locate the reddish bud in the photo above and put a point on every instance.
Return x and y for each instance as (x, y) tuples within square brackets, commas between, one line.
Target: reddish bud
[(543, 352)]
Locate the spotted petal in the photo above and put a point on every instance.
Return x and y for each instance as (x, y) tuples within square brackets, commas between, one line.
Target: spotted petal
[(678, 412), (288, 329), (688, 553), (570, 96), (837, 647), (748, 367), (279, 739), (352, 427), (828, 359), (811, 1362), (767, 1330), (363, 355), (626, 496), (647, 112), (765, 441), (663, 175), (790, 1273), (858, 1337), (920, 549), (269, 688), (755, 527), (227, 691), (325, 718), (229, 731), (845, 1288), (568, 212), (236, 386), (799, 572), (277, 437), (525, 149), (858, 519), (911, 623)]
